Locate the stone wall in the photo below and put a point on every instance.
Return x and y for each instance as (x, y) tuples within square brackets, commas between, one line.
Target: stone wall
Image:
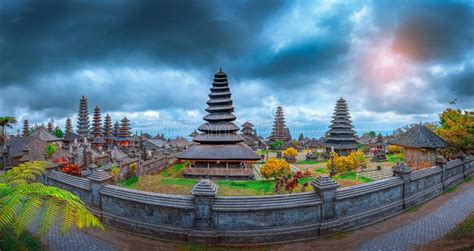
[(155, 165), (204, 217)]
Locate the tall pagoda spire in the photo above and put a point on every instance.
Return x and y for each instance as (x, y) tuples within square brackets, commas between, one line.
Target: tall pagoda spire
[(107, 130), (116, 129), (68, 126), (96, 123), (124, 131), (219, 128), (26, 128), (83, 118), (247, 129), (341, 136), (218, 145), (280, 132), (50, 126)]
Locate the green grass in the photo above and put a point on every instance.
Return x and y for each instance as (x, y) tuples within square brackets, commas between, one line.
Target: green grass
[(352, 176), (463, 230), (451, 189), (179, 181), (321, 170), (174, 171), (130, 182), (414, 209), (260, 152), (25, 241), (308, 162), (259, 187), (338, 236), (469, 179)]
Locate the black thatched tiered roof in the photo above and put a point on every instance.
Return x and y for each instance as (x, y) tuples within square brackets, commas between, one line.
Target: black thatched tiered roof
[(97, 123), (280, 131), (218, 139), (341, 135), (419, 136), (83, 118)]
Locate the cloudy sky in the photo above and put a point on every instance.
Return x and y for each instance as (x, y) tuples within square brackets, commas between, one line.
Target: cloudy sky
[(395, 62)]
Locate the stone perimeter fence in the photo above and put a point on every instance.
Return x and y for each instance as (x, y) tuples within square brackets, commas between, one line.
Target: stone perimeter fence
[(204, 217)]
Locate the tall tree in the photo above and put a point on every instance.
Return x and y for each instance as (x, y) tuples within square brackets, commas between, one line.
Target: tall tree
[(457, 128), (58, 132), (6, 122), (26, 128)]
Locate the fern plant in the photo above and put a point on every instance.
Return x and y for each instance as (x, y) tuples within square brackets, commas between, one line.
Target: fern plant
[(24, 203), (49, 150)]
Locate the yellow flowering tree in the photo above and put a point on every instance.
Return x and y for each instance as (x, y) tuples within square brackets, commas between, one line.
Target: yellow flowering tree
[(290, 154), (275, 168)]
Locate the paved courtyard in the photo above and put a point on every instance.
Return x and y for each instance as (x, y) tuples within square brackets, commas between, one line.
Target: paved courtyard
[(74, 240)]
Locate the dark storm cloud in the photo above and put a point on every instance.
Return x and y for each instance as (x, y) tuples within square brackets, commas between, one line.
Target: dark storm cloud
[(41, 36), (436, 31), (130, 48)]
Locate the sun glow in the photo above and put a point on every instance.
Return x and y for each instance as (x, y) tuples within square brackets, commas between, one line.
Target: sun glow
[(383, 65)]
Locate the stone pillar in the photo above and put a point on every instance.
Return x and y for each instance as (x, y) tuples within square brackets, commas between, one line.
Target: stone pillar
[(204, 193), (404, 172), (326, 187), (98, 179), (462, 157)]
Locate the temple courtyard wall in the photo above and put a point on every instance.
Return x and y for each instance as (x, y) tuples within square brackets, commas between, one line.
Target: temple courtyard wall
[(204, 217)]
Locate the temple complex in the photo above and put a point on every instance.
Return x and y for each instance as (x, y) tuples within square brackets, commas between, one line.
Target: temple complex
[(83, 118), (279, 132), (340, 136), (218, 150)]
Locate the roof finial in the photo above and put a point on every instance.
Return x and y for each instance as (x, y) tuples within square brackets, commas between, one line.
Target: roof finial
[(220, 69)]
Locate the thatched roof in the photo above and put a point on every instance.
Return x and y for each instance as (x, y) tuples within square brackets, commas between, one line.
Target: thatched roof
[(239, 151), (44, 135), (419, 136)]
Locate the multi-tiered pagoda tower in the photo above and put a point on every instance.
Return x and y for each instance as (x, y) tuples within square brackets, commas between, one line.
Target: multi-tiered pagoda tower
[(219, 151), (68, 126), (26, 128), (96, 123), (83, 118), (279, 132), (340, 136)]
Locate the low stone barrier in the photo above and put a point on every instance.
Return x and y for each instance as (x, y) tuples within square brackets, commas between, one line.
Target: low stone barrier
[(204, 217)]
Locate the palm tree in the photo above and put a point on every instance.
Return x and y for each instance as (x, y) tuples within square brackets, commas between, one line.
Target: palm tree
[(24, 203), (6, 122)]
